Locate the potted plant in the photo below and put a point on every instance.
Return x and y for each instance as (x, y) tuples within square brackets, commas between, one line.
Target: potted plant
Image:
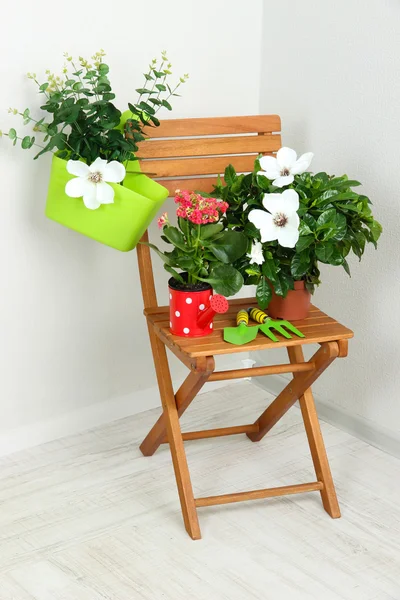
[(200, 262), (293, 221), (96, 186)]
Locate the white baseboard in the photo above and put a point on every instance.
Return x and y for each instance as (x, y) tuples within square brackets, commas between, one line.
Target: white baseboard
[(86, 418), (365, 430)]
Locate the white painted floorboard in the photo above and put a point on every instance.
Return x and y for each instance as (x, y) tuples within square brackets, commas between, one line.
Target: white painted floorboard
[(89, 518)]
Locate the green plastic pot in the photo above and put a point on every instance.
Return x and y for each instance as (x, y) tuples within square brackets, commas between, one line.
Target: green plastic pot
[(119, 225)]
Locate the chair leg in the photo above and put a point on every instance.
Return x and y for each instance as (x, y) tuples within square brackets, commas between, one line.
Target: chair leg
[(294, 390), (316, 442), (183, 398), (175, 440)]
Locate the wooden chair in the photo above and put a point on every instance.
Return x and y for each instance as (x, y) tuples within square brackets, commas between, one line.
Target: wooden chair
[(189, 154)]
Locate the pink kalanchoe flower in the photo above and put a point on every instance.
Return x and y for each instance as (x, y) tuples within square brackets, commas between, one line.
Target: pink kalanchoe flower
[(163, 220), (198, 209)]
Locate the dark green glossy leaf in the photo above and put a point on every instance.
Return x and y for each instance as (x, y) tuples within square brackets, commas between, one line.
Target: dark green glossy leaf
[(263, 293), (304, 242), (230, 246)]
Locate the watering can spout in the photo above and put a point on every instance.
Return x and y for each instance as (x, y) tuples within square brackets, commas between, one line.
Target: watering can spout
[(218, 304)]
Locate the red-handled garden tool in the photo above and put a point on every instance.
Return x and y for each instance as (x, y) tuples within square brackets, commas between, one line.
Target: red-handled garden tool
[(266, 324), (242, 334)]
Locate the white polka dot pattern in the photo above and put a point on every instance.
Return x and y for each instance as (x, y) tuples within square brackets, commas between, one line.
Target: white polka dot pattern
[(189, 301), (202, 306), (186, 330), (177, 313)]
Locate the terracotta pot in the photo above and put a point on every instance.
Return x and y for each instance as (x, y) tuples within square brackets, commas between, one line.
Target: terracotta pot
[(294, 307), (192, 308)]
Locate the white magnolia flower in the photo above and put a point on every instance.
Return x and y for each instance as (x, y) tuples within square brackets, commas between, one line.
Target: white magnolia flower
[(282, 221), (256, 253), (283, 168), (90, 182)]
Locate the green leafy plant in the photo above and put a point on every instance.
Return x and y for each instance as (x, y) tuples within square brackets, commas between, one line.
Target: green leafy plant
[(203, 249), (334, 220), (81, 120)]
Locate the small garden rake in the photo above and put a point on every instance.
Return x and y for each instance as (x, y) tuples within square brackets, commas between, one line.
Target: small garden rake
[(266, 324)]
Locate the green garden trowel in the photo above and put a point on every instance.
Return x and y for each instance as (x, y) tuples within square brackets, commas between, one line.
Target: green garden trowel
[(242, 334), (266, 324)]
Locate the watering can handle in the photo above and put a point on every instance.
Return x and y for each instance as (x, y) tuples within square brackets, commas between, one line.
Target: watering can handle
[(258, 315), (242, 317)]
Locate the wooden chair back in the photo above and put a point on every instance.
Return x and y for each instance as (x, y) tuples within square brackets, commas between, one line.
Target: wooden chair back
[(191, 153)]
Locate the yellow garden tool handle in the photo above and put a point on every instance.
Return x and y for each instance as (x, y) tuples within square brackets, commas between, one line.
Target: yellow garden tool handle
[(258, 315), (242, 318)]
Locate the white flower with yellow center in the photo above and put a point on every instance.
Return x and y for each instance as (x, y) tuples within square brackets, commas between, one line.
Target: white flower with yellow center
[(91, 182), (282, 169), (281, 222)]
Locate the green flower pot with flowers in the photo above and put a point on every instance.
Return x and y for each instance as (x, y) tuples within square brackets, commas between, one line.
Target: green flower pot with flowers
[(120, 223), (96, 186)]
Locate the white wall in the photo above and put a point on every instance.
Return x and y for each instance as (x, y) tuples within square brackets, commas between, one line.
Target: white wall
[(72, 333), (331, 70)]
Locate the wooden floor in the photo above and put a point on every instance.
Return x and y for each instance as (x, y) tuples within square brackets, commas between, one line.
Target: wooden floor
[(89, 518)]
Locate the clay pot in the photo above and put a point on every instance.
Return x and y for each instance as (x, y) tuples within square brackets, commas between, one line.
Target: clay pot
[(294, 307), (192, 308)]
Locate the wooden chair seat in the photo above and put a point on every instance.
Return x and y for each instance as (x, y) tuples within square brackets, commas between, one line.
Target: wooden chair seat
[(317, 327), (191, 153)]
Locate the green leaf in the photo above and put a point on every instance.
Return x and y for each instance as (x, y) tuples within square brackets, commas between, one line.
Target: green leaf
[(304, 229), (147, 108), (309, 221), (186, 263), (174, 273), (346, 267), (103, 69), (376, 230), (175, 237), (230, 175), (164, 257), (12, 134), (269, 269), (324, 252), (304, 242), (184, 226), (230, 246), (263, 293), (328, 253), (210, 230), (44, 87), (161, 87), (282, 284), (326, 217), (26, 142), (300, 264), (224, 279), (166, 104), (77, 86)]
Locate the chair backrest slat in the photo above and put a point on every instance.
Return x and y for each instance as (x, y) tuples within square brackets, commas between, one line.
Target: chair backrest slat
[(191, 153)]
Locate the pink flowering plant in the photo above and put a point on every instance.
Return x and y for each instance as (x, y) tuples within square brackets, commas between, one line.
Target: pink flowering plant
[(203, 249)]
